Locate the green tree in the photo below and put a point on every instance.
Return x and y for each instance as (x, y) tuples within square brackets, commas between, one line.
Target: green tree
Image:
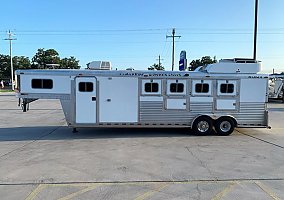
[(69, 63), (44, 57), (205, 60), (5, 71), (19, 62), (156, 67)]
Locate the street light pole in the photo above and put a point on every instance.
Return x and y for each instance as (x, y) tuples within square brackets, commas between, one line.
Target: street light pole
[(11, 58), (255, 29)]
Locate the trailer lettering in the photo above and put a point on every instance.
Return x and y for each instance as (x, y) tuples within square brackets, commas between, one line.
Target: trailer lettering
[(150, 75), (255, 77)]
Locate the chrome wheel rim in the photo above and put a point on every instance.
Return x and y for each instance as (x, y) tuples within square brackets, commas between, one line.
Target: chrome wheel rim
[(202, 126), (225, 126)]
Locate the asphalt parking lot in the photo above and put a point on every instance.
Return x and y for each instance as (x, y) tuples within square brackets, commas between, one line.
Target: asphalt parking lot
[(40, 158)]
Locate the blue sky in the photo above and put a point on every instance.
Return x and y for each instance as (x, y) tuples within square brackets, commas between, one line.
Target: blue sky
[(132, 33)]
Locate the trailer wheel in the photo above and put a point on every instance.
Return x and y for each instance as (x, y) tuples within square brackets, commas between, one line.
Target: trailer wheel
[(202, 125), (224, 126)]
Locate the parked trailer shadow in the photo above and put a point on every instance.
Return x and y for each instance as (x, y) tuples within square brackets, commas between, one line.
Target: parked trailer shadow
[(65, 133)]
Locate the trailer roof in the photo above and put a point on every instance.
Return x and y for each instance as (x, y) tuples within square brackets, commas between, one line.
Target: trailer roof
[(125, 73)]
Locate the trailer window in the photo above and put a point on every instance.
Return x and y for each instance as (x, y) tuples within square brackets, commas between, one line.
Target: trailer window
[(42, 83), (18, 82), (151, 87), (176, 87), (86, 87), (227, 88), (202, 88)]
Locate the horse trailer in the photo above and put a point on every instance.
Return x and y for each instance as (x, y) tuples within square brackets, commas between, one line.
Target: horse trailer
[(218, 96)]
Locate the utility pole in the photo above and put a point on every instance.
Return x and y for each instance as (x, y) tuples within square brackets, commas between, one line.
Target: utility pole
[(11, 58), (255, 29), (173, 53), (159, 59)]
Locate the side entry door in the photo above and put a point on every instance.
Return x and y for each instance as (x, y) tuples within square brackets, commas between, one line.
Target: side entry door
[(86, 100)]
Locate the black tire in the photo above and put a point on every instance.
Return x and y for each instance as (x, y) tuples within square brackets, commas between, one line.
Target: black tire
[(203, 125), (224, 126)]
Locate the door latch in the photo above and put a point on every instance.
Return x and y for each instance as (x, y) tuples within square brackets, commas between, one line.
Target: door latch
[(94, 98)]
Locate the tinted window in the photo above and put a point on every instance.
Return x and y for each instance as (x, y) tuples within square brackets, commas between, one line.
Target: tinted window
[(227, 88), (18, 82), (155, 87), (86, 87), (42, 83), (202, 88), (151, 87), (148, 87), (176, 87)]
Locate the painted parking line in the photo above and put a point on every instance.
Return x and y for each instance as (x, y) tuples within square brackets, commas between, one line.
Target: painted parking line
[(36, 191), (267, 190), (151, 192), (41, 187), (70, 196), (158, 186), (225, 191)]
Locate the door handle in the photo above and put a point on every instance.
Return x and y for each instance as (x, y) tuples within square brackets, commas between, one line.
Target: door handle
[(108, 100), (94, 98)]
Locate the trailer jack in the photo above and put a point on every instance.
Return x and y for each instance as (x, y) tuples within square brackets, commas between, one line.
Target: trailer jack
[(25, 103)]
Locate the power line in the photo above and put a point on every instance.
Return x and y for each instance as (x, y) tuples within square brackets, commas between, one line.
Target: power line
[(149, 30), (141, 33)]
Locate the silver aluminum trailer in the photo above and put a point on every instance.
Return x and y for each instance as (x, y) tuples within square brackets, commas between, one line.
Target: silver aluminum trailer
[(220, 96)]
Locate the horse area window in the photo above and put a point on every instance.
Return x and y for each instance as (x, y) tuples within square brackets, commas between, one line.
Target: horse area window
[(151, 87), (42, 83), (202, 88), (176, 87), (86, 87), (227, 88)]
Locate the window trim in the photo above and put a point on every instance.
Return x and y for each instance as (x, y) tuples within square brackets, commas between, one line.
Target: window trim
[(227, 81), (179, 80), (210, 83), (150, 80)]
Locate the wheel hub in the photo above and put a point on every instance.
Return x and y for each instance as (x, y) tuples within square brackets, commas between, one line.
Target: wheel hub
[(225, 126), (203, 126)]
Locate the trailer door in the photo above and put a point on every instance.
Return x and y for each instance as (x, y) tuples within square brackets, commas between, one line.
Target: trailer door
[(86, 100)]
